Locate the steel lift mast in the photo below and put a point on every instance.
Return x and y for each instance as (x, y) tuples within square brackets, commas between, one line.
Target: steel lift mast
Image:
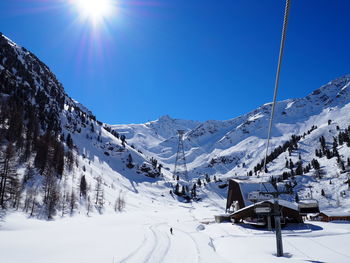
[(180, 169)]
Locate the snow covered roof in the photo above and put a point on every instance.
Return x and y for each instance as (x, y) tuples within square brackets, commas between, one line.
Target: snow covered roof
[(286, 203)]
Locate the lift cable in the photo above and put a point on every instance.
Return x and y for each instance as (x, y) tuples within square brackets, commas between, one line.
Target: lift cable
[(283, 40)]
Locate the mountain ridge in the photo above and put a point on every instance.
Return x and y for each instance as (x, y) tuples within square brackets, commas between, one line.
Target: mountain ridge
[(335, 93), (139, 158)]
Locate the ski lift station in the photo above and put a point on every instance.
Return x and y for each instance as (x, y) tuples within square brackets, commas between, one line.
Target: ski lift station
[(253, 203)]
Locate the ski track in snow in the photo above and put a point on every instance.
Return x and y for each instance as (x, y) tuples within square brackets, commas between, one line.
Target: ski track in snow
[(131, 255), (159, 250), (156, 252), (154, 247), (197, 254)]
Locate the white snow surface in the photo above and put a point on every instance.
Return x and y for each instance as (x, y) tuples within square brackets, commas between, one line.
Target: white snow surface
[(143, 235)]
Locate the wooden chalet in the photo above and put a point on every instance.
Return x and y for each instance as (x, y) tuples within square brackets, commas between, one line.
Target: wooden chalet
[(328, 216), (242, 193), (245, 203)]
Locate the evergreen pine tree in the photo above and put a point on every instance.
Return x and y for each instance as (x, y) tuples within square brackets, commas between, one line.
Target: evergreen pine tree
[(72, 202), (9, 184), (69, 141), (194, 191), (177, 188), (83, 186), (297, 198), (299, 169), (129, 162), (183, 191), (99, 194)]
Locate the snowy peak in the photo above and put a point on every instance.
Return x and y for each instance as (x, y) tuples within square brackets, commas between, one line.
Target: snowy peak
[(165, 118), (333, 93), (159, 130), (231, 143), (167, 127)]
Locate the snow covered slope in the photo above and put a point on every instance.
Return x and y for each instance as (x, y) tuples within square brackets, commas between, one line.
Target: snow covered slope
[(37, 118), (234, 147), (241, 140), (220, 148)]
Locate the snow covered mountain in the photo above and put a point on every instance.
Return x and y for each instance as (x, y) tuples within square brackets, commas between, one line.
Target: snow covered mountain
[(49, 129), (234, 147), (56, 147), (231, 141)]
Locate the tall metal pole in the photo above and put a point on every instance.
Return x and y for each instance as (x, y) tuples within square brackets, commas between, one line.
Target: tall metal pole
[(278, 229)]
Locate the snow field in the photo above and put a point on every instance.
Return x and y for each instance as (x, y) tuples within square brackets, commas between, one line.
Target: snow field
[(144, 236)]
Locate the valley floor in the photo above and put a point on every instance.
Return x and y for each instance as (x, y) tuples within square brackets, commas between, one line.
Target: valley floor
[(144, 236)]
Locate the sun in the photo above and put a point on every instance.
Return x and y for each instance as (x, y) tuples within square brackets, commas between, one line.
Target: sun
[(94, 10)]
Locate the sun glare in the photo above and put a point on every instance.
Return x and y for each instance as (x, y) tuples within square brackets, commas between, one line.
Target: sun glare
[(94, 10)]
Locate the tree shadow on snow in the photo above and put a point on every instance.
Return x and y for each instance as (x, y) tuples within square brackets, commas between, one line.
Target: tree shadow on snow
[(134, 189)]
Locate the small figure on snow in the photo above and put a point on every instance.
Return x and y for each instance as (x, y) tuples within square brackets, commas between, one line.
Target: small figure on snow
[(171, 230)]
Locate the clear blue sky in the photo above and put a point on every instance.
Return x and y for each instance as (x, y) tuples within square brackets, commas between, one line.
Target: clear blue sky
[(191, 59)]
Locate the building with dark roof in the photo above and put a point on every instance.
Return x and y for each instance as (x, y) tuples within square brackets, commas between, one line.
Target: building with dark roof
[(253, 203), (242, 193)]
